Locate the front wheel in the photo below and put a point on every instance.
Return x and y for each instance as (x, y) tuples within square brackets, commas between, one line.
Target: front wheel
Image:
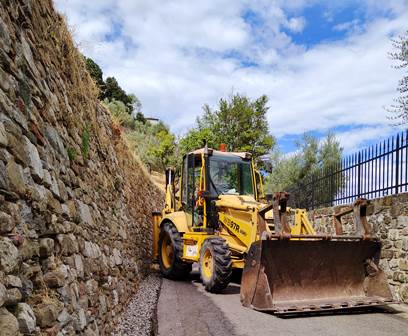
[(215, 264), (171, 252)]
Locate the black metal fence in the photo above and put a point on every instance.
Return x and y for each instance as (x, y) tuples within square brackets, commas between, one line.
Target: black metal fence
[(373, 172)]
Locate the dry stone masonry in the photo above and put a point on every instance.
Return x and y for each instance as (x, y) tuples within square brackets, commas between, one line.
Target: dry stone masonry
[(75, 205), (388, 217)]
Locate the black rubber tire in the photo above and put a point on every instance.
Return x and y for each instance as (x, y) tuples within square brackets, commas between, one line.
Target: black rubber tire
[(178, 270), (222, 264)]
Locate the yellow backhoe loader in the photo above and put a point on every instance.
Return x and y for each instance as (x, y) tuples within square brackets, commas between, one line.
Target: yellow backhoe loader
[(217, 219)]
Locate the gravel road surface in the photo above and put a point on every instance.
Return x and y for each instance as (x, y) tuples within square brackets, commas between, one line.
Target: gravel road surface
[(185, 309), (139, 318)]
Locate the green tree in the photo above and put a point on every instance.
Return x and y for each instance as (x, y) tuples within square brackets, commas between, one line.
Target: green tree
[(308, 146), (400, 108), (239, 122), (113, 91), (140, 117), (312, 159), (285, 173), (163, 151), (96, 73), (136, 106), (154, 144), (195, 138), (119, 112), (330, 153)]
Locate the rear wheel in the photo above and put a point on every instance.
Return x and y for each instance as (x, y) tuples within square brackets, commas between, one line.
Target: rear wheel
[(171, 252), (215, 264)]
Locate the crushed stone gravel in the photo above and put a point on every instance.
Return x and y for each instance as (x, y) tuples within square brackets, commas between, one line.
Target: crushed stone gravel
[(140, 317)]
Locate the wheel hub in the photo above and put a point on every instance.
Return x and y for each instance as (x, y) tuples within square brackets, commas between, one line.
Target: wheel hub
[(207, 264), (167, 252)]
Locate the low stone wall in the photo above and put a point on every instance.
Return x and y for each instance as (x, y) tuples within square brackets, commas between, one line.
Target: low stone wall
[(388, 217), (75, 206)]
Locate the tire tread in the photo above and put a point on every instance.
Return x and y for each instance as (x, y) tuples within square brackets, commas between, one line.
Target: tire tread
[(180, 269), (222, 265)]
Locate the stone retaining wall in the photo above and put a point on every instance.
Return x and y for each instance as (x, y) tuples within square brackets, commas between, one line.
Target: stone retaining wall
[(75, 206), (388, 217)]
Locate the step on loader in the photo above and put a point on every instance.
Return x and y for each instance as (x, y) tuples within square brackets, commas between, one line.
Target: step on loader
[(218, 218)]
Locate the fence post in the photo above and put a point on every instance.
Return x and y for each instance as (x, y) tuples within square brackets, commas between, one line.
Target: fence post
[(359, 175), (313, 190), (397, 159), (331, 186)]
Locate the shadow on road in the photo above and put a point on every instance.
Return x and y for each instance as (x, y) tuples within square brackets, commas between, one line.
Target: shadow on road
[(234, 289), (350, 311)]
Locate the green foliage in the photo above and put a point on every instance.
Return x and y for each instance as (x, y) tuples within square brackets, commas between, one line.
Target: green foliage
[(308, 146), (239, 122), (140, 117), (71, 153), (400, 54), (77, 219), (86, 136), (113, 91), (96, 73), (164, 149), (285, 173), (135, 104), (110, 89), (25, 92), (154, 144), (119, 113), (330, 153), (195, 138), (311, 158)]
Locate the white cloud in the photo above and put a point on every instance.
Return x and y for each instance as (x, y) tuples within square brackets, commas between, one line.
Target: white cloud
[(359, 137), (176, 56), (296, 24), (342, 83), (350, 26)]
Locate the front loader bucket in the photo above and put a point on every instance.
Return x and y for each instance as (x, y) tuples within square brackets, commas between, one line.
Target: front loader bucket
[(288, 276)]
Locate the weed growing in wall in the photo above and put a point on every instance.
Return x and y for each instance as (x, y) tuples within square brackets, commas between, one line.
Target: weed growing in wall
[(86, 136), (25, 92), (71, 154)]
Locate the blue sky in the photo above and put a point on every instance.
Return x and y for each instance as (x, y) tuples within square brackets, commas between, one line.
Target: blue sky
[(321, 24), (324, 65)]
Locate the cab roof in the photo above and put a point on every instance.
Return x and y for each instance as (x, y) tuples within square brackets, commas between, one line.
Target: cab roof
[(242, 155)]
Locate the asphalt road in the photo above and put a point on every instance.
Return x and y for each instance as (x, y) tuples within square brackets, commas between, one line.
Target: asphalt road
[(185, 309)]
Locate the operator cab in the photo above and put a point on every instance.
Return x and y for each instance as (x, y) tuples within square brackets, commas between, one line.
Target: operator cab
[(208, 174), (230, 175)]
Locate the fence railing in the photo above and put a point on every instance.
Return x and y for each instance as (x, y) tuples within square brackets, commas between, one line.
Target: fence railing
[(373, 172)]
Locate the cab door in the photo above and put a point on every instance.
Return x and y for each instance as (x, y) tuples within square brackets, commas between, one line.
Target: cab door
[(188, 188)]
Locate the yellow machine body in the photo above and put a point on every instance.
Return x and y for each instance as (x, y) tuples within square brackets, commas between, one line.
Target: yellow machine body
[(287, 267)]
